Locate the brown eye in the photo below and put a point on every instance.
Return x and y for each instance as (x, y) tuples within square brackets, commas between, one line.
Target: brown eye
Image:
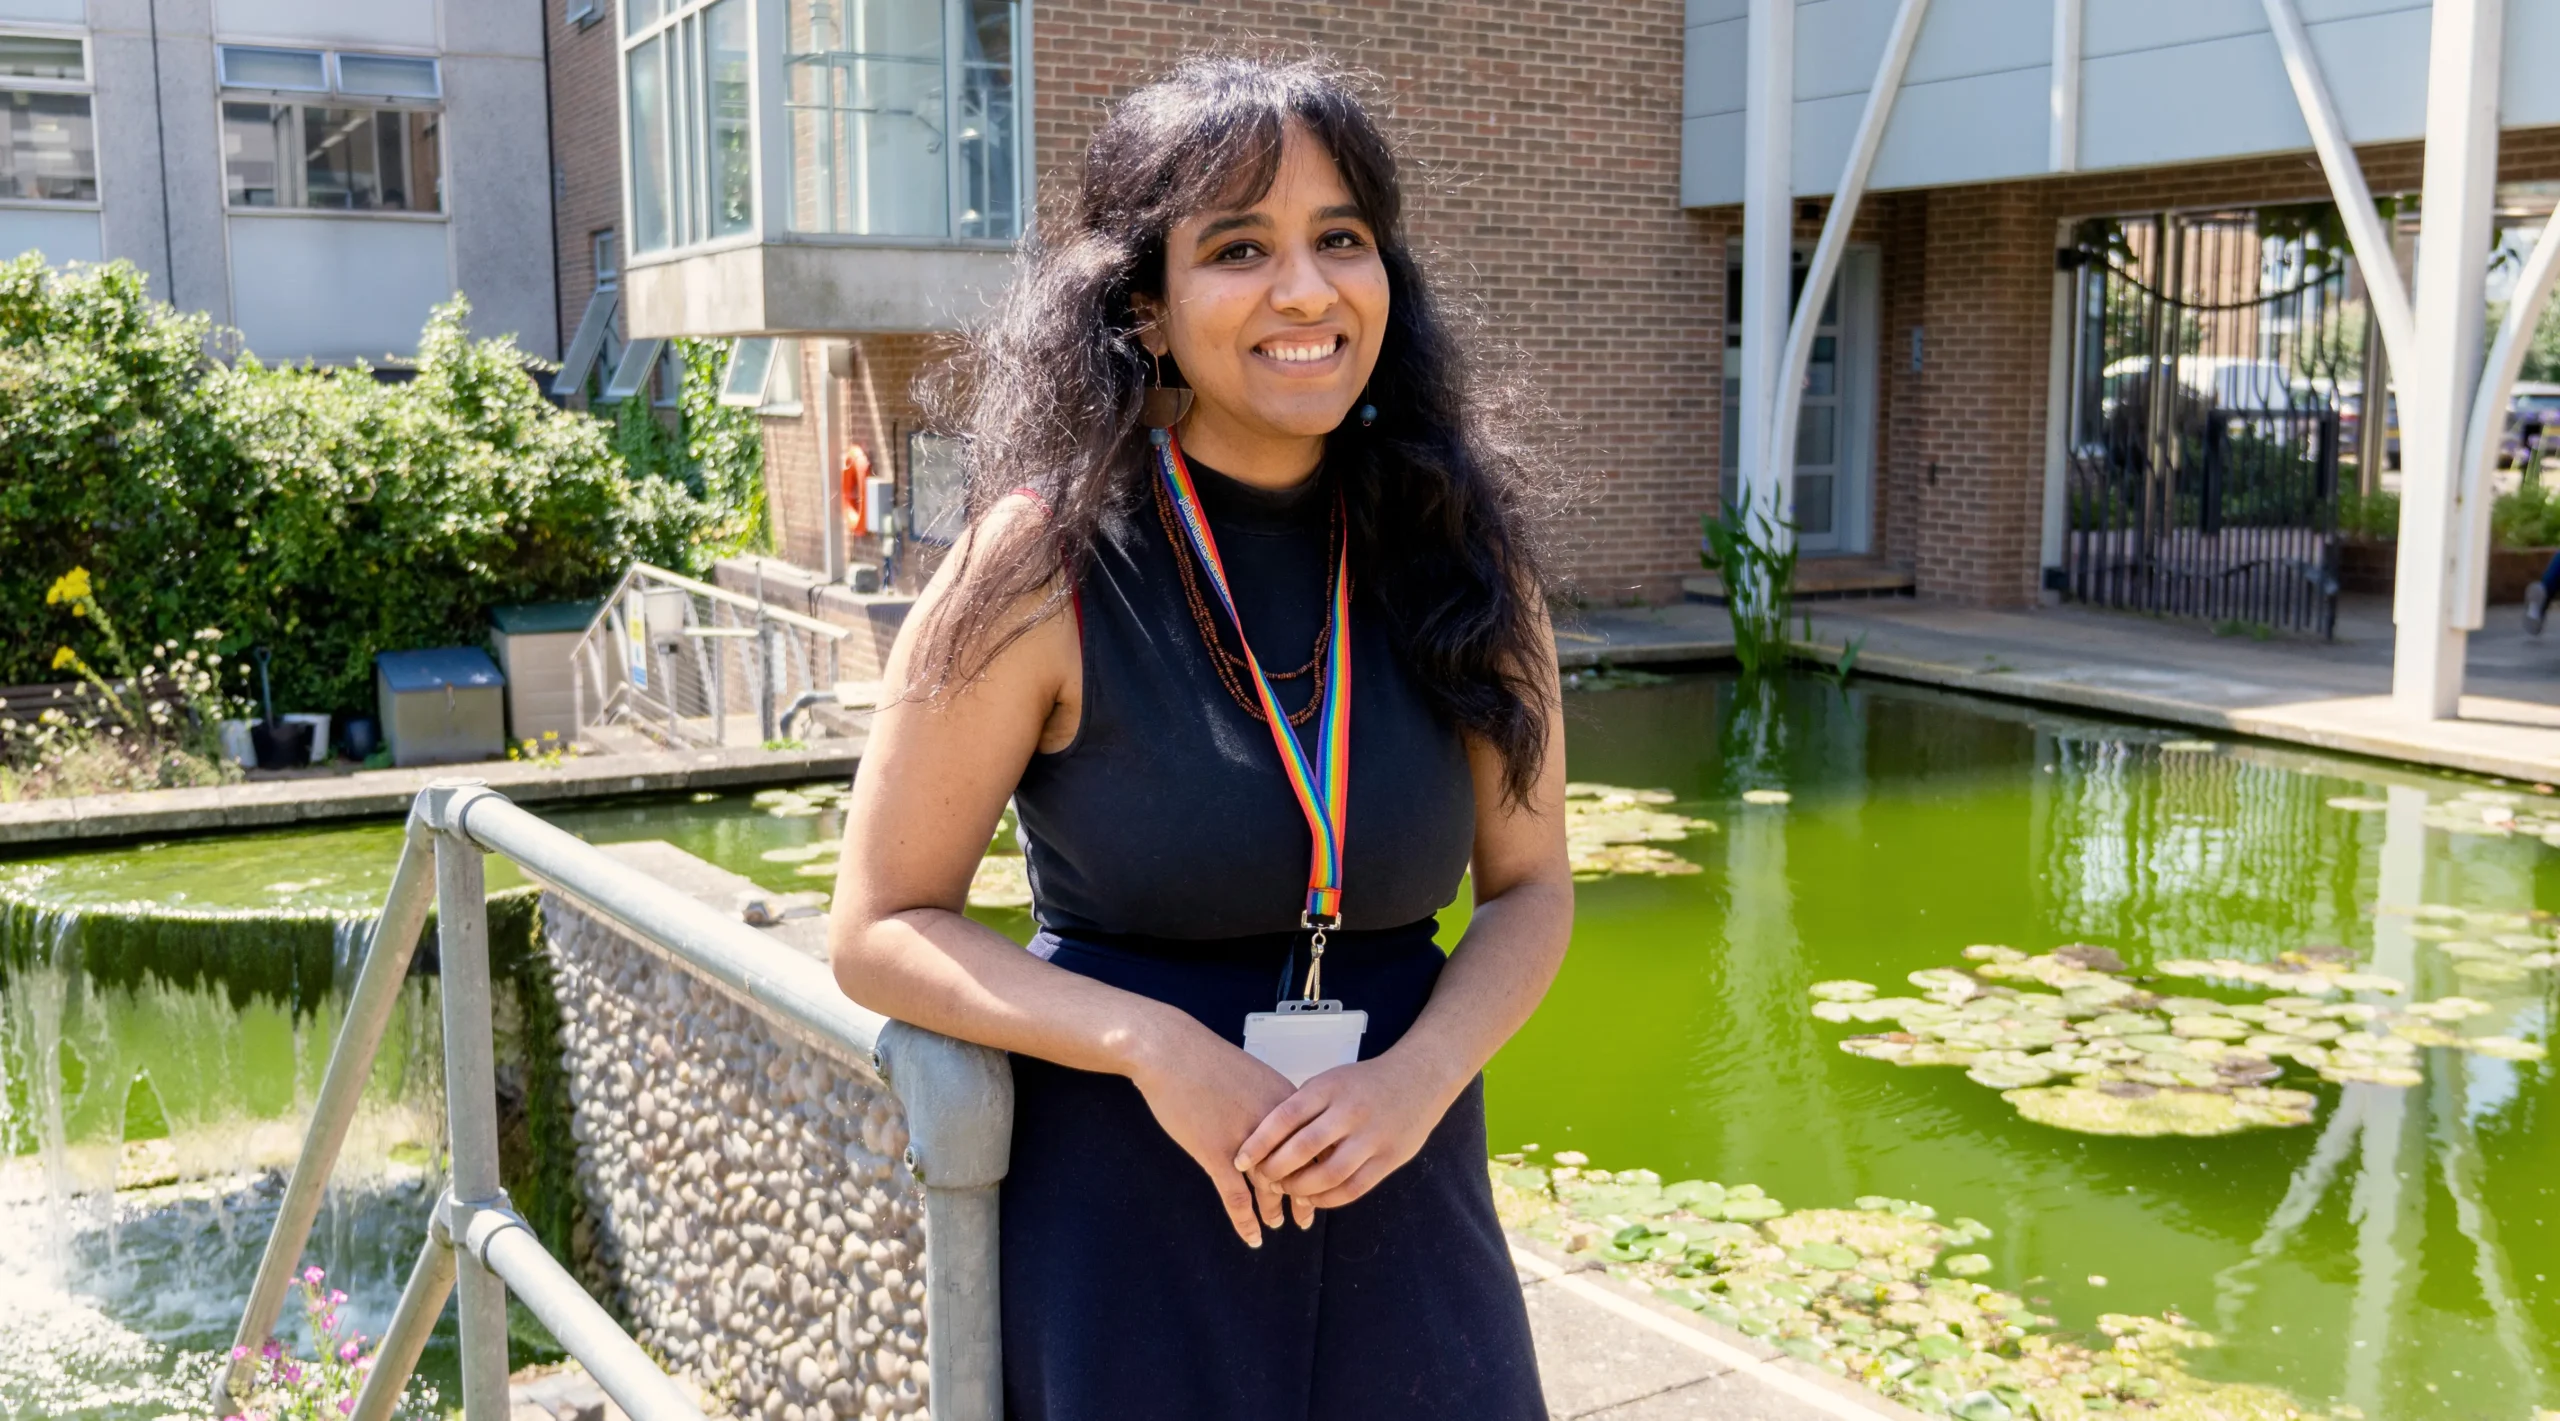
[(1238, 252), (1341, 240)]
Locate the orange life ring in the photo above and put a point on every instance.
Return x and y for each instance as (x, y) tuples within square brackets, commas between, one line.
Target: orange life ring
[(857, 477)]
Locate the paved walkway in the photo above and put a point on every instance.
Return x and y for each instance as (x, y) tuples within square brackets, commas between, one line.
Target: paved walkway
[(2332, 695), (1605, 1353)]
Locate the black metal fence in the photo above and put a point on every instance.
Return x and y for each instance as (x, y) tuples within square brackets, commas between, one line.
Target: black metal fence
[(2215, 364)]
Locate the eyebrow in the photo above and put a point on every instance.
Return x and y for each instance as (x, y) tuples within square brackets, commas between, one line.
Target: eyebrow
[(1237, 221)]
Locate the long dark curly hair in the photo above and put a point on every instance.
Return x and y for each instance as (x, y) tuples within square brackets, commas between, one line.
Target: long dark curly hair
[(1444, 499)]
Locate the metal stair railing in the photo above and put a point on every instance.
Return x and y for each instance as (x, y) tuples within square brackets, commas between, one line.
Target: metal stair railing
[(673, 657), (958, 1100)]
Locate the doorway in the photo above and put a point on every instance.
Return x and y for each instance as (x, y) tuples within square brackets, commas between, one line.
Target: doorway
[(1832, 500)]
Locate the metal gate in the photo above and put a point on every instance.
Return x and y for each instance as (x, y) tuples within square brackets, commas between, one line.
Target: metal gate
[(2211, 354)]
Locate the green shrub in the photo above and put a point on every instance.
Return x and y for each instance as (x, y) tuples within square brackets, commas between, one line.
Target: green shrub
[(321, 512)]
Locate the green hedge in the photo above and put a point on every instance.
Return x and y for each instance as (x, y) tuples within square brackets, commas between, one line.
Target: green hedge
[(321, 512)]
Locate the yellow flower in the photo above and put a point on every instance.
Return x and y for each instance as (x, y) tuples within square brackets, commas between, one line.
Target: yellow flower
[(72, 586), (65, 656)]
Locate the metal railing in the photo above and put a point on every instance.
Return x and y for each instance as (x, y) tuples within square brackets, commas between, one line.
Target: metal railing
[(958, 1100), (689, 664)]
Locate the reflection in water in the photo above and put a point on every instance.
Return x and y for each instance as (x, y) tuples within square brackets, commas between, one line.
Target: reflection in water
[(2392, 1255)]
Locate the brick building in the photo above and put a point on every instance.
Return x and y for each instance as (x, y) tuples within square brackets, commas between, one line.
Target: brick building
[(1580, 171)]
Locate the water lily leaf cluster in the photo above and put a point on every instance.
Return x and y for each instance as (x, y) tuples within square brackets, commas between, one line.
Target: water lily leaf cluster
[(2486, 947), (2101, 1055), (2491, 812), (1883, 1293), (1610, 830)]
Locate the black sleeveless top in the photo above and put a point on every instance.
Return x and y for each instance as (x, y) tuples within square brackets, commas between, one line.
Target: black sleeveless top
[(1168, 815)]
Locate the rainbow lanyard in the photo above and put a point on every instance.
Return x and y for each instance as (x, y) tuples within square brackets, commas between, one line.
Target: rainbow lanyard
[(1323, 786)]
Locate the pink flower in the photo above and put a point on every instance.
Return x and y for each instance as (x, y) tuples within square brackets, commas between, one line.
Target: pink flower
[(240, 1353), (290, 1373), (336, 1297), (312, 1275), (346, 1405), (272, 1350), (348, 1352)]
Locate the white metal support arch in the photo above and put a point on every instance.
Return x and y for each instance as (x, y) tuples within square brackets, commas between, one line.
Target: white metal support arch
[(2387, 293), (1768, 240), (2488, 422), (1787, 396)]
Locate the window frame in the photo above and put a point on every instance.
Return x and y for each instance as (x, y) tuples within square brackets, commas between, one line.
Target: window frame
[(85, 87), (335, 96), (769, 127), (685, 103), (777, 392)]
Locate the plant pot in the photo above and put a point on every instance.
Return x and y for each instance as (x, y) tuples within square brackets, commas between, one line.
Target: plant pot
[(2374, 567), (281, 745), (363, 737)]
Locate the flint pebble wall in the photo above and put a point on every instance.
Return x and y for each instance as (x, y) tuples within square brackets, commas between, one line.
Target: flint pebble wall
[(747, 1213)]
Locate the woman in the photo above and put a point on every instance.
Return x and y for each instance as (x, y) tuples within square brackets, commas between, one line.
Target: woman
[(1324, 482)]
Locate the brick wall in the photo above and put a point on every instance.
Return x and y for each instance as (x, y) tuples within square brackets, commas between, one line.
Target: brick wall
[(586, 151), (1542, 142), (876, 408)]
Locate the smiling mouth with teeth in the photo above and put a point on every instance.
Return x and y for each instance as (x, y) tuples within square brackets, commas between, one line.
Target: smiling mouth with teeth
[(1299, 354)]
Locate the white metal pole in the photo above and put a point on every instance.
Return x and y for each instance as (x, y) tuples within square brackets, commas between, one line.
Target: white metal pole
[(2062, 139), (395, 1360), (1768, 232), (2061, 338), (2488, 417), (2455, 223), (471, 1096), (830, 466), (2385, 294), (1787, 393)]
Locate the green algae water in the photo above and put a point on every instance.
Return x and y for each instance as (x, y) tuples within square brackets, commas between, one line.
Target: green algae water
[(2391, 1254)]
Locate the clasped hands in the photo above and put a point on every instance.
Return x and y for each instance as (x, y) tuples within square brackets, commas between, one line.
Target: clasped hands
[(1267, 1146)]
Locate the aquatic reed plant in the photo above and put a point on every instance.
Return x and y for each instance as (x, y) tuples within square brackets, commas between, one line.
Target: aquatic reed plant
[(1755, 555)]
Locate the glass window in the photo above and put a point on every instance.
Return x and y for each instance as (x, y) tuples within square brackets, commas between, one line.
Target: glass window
[(732, 127), (388, 76), (638, 15), (639, 360), (750, 365), (782, 383), (864, 91), (48, 148), (331, 158), (42, 57), (244, 67), (986, 146), (650, 185), (590, 347), (608, 259)]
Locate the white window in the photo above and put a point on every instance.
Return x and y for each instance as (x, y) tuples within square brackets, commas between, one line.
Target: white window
[(904, 117), (48, 141), (605, 251), (634, 370), (370, 140), (685, 68), (764, 376)]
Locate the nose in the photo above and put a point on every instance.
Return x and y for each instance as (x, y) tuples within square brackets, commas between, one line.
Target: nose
[(1300, 288)]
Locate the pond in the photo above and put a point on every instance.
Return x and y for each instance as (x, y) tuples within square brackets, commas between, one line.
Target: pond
[(2388, 1252)]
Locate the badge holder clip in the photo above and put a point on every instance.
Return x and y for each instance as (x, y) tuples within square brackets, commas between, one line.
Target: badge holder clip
[(1303, 1037)]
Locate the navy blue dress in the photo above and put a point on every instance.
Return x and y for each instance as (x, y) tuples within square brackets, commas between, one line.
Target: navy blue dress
[(1168, 857)]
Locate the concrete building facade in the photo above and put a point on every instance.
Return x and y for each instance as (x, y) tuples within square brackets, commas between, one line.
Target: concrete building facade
[(317, 176)]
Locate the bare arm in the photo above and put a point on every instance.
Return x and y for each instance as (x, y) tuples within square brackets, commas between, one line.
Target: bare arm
[(1354, 1125), (934, 780)]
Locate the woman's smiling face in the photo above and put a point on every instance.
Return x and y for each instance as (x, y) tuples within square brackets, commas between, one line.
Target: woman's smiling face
[(1275, 313)]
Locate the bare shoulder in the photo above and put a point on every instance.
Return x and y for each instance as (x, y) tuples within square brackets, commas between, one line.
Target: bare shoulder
[(987, 621)]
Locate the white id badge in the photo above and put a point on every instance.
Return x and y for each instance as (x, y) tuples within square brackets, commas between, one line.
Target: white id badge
[(1303, 1040)]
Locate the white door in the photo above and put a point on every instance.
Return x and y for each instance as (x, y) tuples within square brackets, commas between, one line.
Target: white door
[(1833, 499)]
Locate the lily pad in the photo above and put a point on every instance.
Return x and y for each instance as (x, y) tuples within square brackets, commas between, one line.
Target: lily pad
[(1832, 1256), (1844, 990), (1001, 881), (1766, 796), (2146, 1111), (1963, 1265)]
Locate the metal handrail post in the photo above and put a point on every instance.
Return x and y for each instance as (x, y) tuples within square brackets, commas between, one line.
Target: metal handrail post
[(959, 1104), (500, 1239), (471, 1093), (377, 989), (421, 1303)]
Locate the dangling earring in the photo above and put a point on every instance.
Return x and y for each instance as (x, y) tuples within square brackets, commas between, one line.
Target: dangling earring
[(1163, 405), (1368, 415)]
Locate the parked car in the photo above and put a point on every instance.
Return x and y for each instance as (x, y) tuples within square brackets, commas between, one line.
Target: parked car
[(2536, 403)]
